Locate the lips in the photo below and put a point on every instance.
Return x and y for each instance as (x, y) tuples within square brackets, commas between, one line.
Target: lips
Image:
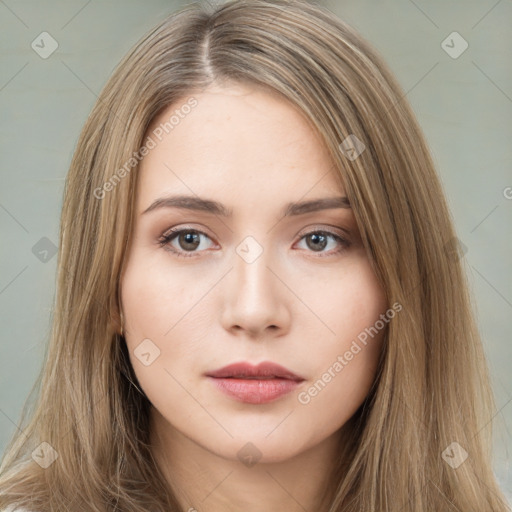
[(263, 371), (256, 385)]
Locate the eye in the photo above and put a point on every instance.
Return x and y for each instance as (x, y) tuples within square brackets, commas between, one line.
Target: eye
[(188, 240), (317, 241)]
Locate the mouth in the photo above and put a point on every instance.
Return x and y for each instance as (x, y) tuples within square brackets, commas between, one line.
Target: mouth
[(259, 384), (263, 371), (258, 377)]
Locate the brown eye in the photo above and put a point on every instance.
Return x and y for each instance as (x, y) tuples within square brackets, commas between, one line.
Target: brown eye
[(182, 241), (317, 241)]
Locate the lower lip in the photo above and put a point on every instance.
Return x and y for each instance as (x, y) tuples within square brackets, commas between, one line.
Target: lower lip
[(254, 391)]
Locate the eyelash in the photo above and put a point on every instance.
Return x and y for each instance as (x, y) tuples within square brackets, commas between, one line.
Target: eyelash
[(164, 241)]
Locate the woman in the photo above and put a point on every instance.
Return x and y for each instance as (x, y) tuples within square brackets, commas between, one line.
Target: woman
[(260, 301)]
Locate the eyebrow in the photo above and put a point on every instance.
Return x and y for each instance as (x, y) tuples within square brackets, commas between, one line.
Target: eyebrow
[(207, 205)]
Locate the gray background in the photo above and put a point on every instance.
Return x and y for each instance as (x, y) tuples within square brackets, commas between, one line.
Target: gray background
[(464, 105)]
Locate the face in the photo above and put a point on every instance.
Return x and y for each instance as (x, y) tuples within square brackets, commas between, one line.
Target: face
[(249, 282)]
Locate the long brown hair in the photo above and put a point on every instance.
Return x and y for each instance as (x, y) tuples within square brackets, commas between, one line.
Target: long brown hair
[(432, 402)]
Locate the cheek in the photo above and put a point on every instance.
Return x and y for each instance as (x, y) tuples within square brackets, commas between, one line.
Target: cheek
[(152, 306), (345, 362), (153, 300), (345, 301), (359, 327), (164, 308)]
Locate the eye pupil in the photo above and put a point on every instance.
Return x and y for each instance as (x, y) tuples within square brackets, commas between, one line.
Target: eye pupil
[(316, 246)]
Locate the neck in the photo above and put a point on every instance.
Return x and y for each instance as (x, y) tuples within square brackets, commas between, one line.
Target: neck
[(208, 482)]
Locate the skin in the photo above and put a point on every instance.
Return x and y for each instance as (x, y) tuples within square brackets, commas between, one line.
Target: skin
[(293, 305)]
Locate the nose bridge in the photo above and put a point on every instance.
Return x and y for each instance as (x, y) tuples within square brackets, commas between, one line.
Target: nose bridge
[(254, 301), (251, 264)]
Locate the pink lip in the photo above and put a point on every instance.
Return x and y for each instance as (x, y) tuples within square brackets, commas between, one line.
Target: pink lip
[(240, 381)]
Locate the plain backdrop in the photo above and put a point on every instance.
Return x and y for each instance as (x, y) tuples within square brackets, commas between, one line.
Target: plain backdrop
[(461, 96)]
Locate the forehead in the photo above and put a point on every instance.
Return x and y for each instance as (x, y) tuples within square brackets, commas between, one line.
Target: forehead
[(241, 139)]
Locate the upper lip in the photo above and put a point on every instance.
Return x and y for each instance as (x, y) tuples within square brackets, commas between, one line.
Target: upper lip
[(247, 370)]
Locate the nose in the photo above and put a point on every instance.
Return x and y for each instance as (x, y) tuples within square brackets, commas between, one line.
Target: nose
[(255, 300)]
